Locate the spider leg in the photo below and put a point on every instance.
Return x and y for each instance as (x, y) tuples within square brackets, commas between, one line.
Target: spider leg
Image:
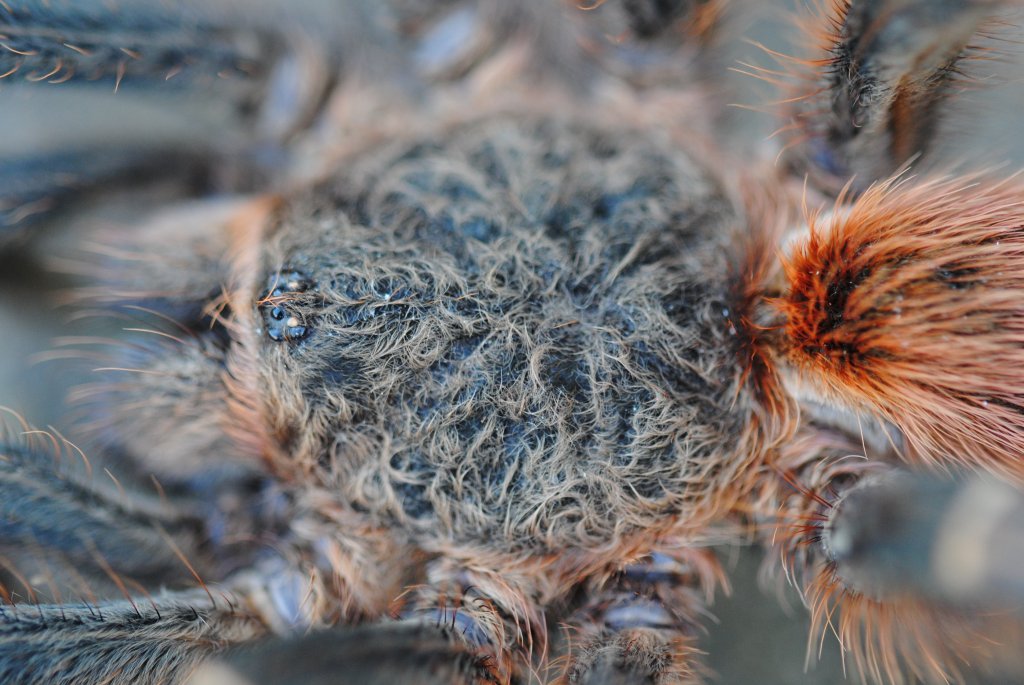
[(484, 610), (640, 626), (877, 88), (63, 536), (102, 47), (240, 69), (380, 653), (71, 42), (154, 91), (903, 569), (72, 528), (159, 638), (899, 321), (49, 508), (904, 305), (35, 186), (959, 542)]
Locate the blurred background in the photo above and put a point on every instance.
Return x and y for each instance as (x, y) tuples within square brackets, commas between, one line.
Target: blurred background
[(754, 637)]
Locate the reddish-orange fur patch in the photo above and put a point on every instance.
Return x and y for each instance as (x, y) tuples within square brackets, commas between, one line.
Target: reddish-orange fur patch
[(911, 304)]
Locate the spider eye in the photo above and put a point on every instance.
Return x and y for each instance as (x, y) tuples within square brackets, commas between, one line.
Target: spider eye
[(283, 321), (288, 281), (291, 329)]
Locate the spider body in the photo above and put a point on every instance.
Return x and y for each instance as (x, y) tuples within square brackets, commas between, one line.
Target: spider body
[(493, 339)]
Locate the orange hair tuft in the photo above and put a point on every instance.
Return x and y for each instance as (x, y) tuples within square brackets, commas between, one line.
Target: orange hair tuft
[(910, 304)]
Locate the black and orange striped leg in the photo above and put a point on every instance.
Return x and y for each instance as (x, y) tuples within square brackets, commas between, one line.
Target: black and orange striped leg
[(871, 96)]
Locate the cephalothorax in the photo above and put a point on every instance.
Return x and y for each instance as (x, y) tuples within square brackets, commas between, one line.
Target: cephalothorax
[(517, 333), (505, 341)]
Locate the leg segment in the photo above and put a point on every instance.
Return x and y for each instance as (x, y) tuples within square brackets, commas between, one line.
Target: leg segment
[(484, 611), (103, 45), (89, 528), (639, 627), (375, 654), (157, 639), (900, 306), (864, 542), (905, 305), (883, 74), (61, 537), (65, 42), (62, 531), (33, 187), (956, 542), (243, 83)]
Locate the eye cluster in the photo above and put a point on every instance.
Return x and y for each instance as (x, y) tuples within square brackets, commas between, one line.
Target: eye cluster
[(281, 320)]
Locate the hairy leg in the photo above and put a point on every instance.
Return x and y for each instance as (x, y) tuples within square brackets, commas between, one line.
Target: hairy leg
[(904, 305), (640, 625), (379, 653), (879, 556), (63, 537), (159, 638), (872, 96), (489, 612), (116, 77), (58, 514), (960, 542)]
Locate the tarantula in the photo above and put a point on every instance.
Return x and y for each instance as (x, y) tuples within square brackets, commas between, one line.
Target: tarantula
[(477, 334)]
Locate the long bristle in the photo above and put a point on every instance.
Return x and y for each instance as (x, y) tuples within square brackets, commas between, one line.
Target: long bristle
[(896, 638), (909, 304), (870, 83), (799, 77), (900, 640)]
